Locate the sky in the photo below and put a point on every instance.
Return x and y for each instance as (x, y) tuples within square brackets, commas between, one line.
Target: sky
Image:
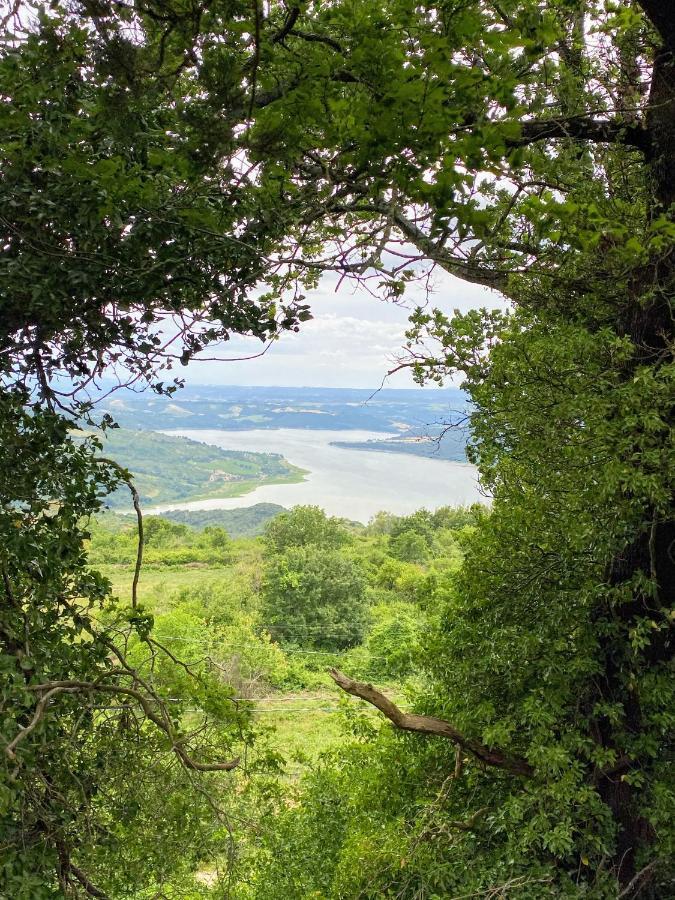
[(352, 341)]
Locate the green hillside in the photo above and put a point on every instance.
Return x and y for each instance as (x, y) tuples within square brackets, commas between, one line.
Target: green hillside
[(247, 521), (168, 469)]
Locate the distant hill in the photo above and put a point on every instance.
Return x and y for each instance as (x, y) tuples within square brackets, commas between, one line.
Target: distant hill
[(170, 469), (235, 409), (450, 444), (248, 521)]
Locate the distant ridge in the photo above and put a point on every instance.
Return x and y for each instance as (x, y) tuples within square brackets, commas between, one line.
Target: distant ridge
[(398, 412), (248, 521)]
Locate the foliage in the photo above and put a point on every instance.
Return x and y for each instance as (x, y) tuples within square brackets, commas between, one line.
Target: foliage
[(305, 526), (56, 649), (394, 640), (314, 597), (409, 546), (170, 469), (248, 521), (160, 161)]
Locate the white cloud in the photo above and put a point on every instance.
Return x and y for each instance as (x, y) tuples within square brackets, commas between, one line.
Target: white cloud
[(352, 341)]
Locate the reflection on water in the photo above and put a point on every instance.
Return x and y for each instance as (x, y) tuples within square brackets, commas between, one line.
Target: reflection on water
[(351, 483)]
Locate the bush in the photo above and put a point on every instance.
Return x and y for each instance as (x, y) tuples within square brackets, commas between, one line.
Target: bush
[(393, 640), (304, 526), (315, 598)]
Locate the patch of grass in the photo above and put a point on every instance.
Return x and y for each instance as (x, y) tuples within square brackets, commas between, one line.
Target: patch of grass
[(302, 726)]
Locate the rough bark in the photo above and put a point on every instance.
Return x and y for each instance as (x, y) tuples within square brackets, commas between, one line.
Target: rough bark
[(430, 725)]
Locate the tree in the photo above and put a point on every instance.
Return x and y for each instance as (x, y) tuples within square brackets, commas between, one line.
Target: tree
[(314, 597), (409, 546), (530, 148), (304, 526), (122, 255), (159, 532)]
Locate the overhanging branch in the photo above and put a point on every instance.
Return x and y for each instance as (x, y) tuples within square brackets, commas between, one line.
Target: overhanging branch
[(581, 128), (430, 725), (51, 689), (465, 270)]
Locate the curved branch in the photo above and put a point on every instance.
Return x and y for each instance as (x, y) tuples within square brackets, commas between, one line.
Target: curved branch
[(430, 725), (289, 22), (57, 687), (136, 500), (464, 270)]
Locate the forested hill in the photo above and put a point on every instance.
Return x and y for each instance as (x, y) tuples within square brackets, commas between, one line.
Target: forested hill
[(247, 521), (168, 469)]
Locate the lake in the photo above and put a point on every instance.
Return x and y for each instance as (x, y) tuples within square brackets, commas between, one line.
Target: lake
[(354, 484)]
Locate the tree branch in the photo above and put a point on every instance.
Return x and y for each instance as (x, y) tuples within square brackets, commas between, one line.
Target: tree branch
[(57, 687), (289, 22), (464, 270), (636, 883), (310, 37), (430, 725), (582, 128), (136, 500)]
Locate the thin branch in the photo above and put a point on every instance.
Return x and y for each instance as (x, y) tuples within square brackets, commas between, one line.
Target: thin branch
[(638, 881), (136, 500), (57, 687), (430, 725), (38, 715)]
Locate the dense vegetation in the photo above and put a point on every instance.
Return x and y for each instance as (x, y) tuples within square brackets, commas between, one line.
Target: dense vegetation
[(247, 521), (176, 173)]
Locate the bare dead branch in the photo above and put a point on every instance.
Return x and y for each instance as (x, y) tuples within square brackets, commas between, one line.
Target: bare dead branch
[(431, 725)]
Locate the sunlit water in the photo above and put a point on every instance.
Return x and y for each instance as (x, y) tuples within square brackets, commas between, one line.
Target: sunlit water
[(351, 483)]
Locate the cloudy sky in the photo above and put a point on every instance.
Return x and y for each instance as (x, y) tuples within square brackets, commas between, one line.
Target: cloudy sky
[(351, 341)]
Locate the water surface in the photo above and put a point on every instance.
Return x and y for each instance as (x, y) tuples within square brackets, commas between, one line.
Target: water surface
[(351, 483)]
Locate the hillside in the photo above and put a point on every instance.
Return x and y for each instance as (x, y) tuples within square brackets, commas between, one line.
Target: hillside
[(237, 408), (248, 521), (170, 469)]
